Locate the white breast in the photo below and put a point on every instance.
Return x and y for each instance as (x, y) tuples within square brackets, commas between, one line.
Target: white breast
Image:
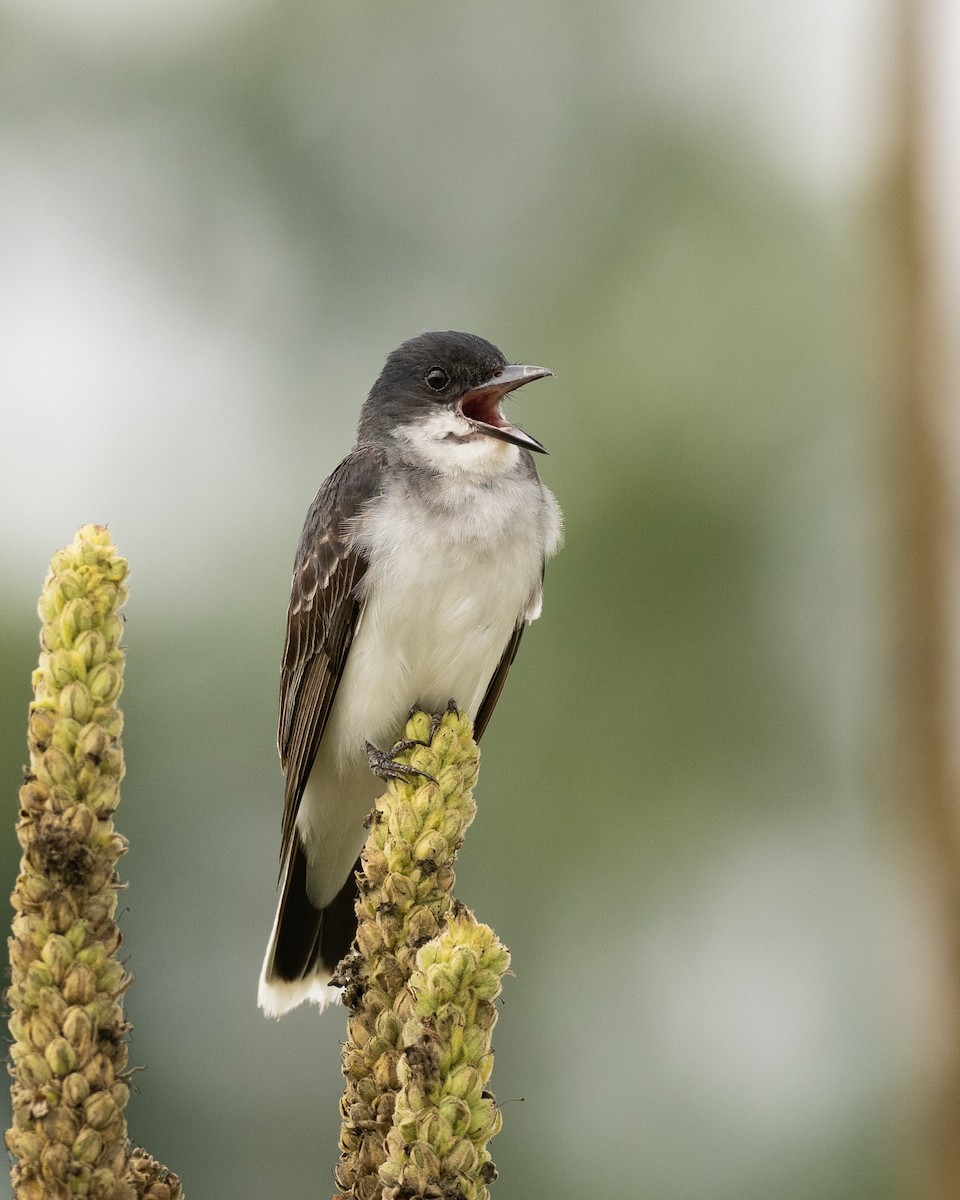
[(452, 570)]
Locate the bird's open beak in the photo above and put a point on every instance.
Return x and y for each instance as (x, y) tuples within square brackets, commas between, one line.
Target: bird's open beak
[(481, 406)]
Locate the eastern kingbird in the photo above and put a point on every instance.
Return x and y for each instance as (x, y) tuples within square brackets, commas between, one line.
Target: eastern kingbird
[(420, 563)]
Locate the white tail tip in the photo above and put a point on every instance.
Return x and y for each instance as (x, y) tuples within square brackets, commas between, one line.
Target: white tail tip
[(277, 996)]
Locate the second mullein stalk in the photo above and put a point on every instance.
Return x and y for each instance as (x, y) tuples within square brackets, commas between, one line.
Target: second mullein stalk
[(420, 985)]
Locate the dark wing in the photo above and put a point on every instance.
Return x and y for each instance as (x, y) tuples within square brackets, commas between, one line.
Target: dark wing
[(495, 686), (320, 621)]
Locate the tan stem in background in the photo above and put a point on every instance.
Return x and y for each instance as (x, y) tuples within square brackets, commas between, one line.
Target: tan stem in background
[(931, 812)]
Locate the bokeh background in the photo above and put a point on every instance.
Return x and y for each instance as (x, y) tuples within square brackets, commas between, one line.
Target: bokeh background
[(216, 221)]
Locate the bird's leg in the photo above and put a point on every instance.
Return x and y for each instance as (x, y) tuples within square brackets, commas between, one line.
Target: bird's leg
[(385, 766)]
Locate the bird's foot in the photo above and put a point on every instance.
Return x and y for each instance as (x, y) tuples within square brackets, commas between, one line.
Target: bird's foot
[(384, 765), (436, 719)]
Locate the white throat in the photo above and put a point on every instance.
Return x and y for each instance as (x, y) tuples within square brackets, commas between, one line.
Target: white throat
[(447, 444)]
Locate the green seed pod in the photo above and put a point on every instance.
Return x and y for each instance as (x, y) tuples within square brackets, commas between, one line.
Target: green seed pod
[(56, 766), (99, 1110), (461, 1158), (41, 725), (75, 703), (80, 1031), (114, 1157), (52, 1004), (79, 934), (402, 822), (110, 718), (79, 822), (464, 1081), (78, 616), (388, 1027), (79, 984), (93, 956), (87, 1146), (93, 742), (54, 1161), (103, 1184), (111, 978), (476, 1044), (103, 797), (60, 1125), (61, 1056), (451, 780), (112, 628), (456, 1113), (398, 890), (34, 1070), (24, 1143), (62, 796), (75, 1089), (422, 923), (60, 913), (91, 645), (104, 682), (65, 735), (69, 584), (432, 846), (424, 1160), (57, 953), (41, 1030), (485, 1014), (485, 1121), (418, 728), (99, 1072), (38, 978), (453, 827)]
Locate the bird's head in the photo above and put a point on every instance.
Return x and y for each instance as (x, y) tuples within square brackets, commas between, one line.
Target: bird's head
[(440, 395)]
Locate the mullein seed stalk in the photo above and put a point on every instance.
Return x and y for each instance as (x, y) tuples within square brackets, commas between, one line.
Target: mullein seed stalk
[(420, 983), (69, 1053)]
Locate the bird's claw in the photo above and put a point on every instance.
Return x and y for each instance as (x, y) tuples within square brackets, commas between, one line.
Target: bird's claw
[(385, 766)]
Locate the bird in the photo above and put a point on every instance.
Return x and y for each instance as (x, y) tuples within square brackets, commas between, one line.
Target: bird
[(420, 564)]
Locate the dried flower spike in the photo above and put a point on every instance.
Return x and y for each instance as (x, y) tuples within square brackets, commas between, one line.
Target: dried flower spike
[(69, 1052), (420, 984)]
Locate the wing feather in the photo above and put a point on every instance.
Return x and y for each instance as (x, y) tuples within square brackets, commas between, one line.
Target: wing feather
[(322, 616), (495, 686), (499, 678)]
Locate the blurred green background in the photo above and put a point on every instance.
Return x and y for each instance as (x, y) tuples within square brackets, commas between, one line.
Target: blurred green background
[(217, 220)]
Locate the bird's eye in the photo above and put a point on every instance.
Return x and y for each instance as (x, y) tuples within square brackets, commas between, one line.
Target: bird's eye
[(436, 379)]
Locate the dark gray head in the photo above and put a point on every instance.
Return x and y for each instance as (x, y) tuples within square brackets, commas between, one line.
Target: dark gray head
[(452, 383)]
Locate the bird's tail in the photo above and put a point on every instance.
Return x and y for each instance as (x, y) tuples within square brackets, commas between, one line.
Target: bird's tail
[(306, 943)]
